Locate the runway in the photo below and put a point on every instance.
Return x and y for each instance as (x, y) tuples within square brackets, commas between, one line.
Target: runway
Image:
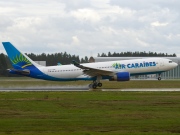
[(144, 89), (62, 88), (81, 88)]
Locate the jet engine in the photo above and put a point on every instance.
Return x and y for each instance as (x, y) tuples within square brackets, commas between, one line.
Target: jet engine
[(121, 76)]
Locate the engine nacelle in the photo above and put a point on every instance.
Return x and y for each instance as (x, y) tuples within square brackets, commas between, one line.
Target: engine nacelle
[(121, 76)]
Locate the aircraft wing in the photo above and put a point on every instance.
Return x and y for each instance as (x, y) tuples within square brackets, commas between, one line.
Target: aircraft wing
[(93, 71)]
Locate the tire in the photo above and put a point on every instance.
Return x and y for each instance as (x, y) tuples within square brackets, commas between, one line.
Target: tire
[(94, 86), (90, 86), (99, 84)]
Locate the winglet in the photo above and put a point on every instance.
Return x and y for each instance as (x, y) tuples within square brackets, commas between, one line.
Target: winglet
[(78, 65), (75, 63)]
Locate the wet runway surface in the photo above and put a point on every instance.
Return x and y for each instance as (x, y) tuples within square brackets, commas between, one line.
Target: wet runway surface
[(80, 88), (63, 88)]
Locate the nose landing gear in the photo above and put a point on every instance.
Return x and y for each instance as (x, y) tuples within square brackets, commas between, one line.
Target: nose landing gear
[(159, 77)]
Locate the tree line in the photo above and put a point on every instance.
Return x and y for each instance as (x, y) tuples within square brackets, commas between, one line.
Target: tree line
[(65, 58), (136, 54)]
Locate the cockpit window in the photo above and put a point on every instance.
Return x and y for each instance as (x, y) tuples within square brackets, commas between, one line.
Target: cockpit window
[(170, 61)]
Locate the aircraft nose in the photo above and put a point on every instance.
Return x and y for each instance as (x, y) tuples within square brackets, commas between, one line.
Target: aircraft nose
[(175, 64)]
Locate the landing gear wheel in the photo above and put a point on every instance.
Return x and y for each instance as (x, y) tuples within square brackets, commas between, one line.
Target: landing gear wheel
[(94, 86), (99, 84), (90, 85), (159, 78)]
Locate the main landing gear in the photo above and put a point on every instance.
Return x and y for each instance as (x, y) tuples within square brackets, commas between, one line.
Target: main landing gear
[(95, 84)]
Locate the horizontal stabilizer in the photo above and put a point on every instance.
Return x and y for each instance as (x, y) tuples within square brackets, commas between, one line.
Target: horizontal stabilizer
[(16, 71)]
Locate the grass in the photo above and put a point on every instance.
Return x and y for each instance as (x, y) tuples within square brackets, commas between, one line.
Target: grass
[(91, 112)]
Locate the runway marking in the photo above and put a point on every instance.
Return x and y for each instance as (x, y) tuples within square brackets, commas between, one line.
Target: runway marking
[(144, 89)]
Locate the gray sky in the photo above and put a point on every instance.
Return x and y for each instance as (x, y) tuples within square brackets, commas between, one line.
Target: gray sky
[(88, 27)]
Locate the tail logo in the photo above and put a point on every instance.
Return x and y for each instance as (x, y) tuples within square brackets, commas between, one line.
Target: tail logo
[(21, 61)]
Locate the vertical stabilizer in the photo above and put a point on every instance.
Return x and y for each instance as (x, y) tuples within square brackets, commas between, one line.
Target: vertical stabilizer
[(18, 59)]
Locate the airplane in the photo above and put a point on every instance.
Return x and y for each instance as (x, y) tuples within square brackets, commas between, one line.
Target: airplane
[(120, 70)]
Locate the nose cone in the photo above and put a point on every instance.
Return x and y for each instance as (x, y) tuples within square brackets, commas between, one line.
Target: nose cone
[(175, 64)]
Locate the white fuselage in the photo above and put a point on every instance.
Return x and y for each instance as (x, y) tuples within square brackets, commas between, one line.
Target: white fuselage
[(134, 67)]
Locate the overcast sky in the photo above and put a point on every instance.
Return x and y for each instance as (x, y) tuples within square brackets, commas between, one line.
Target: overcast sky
[(88, 27)]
